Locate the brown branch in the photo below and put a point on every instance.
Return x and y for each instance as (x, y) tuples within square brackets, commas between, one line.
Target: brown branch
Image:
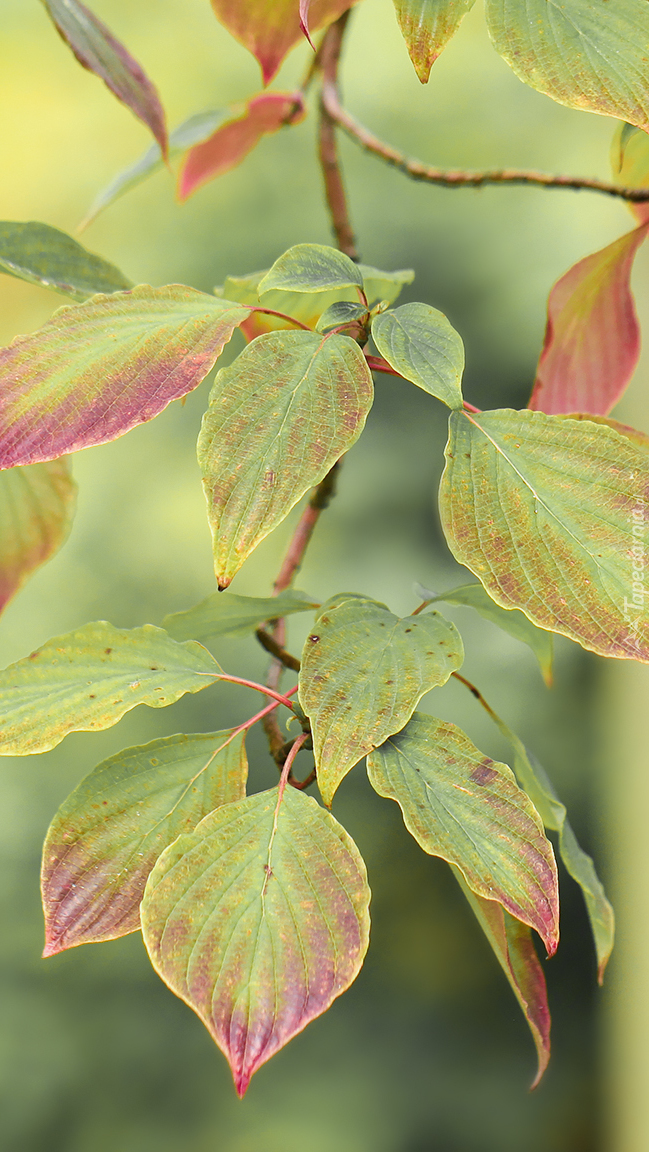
[(328, 60), (476, 692), (270, 644)]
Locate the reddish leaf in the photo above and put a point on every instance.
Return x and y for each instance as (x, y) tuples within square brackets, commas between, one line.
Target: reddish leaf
[(36, 509), (305, 6), (96, 49), (592, 338), (227, 147)]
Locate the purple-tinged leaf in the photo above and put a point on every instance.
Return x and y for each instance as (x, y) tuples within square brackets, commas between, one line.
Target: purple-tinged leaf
[(305, 6), (42, 255), (95, 370), (36, 510), (427, 27)]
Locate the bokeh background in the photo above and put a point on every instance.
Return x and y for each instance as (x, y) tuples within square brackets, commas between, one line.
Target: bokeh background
[(428, 1051)]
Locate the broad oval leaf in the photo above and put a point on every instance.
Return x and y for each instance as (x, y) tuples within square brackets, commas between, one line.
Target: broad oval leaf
[(42, 255), (36, 510), (630, 164), (279, 417), (88, 679), (226, 614), (108, 834), (96, 370), (418, 341), (427, 27), (311, 268), (364, 671), (100, 52), (468, 809), (258, 920), (551, 515), (589, 54)]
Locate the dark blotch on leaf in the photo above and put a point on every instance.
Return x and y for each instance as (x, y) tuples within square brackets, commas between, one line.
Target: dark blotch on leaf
[(484, 773)]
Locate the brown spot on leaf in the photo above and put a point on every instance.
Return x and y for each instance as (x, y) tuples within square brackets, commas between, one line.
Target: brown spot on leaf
[(484, 773)]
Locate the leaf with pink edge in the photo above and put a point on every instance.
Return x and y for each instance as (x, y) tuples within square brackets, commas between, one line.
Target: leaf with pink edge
[(427, 27), (36, 510)]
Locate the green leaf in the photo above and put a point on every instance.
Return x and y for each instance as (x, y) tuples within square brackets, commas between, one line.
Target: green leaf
[(108, 834), (589, 54), (258, 920), (427, 27), (363, 673), (468, 809), (226, 614), (36, 510), (98, 369), (512, 621), (551, 515), (87, 679), (311, 268), (418, 341), (43, 255), (279, 418), (342, 312), (514, 949)]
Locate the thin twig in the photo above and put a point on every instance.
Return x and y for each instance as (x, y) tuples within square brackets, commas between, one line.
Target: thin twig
[(258, 688), (270, 644), (478, 695), (328, 60), (378, 364)]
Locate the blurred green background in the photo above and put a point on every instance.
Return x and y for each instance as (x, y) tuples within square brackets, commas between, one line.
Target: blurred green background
[(427, 1052)]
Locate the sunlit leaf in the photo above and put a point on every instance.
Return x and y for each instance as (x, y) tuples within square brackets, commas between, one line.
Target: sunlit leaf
[(95, 370), (226, 614), (108, 834), (279, 417), (418, 341), (630, 164), (551, 515), (36, 510), (97, 49), (364, 671), (88, 679), (427, 27), (43, 255), (311, 268), (233, 140), (258, 920)]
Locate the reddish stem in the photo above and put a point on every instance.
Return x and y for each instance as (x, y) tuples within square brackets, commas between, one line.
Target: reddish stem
[(258, 688), (283, 316), (328, 61)]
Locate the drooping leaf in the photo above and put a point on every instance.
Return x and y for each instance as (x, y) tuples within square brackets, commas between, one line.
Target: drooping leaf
[(36, 510), (258, 920), (279, 418), (342, 312), (551, 515), (304, 8), (418, 341), (589, 54), (226, 614), (270, 28), (630, 164), (233, 140), (42, 255), (108, 834), (427, 27), (460, 805), (592, 337), (95, 370), (96, 49), (514, 949), (88, 679), (364, 671), (311, 268)]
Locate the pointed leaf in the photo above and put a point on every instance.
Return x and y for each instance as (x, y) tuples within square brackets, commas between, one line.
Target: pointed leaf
[(96, 49), (232, 141), (36, 511), (583, 53), (468, 809), (342, 312), (226, 614), (514, 949), (258, 920), (279, 418), (305, 5), (96, 370), (427, 27), (311, 268), (43, 255), (108, 834), (630, 164), (551, 515), (363, 673), (418, 341), (592, 337), (640, 439), (87, 680)]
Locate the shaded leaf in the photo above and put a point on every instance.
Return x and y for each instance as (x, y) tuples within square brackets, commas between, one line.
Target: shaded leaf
[(232, 141), (364, 671), (279, 417), (88, 679), (468, 809), (42, 255), (96, 49), (592, 336), (258, 920), (108, 834), (630, 164), (589, 54), (226, 614), (36, 510), (342, 312), (418, 341), (95, 370), (551, 515), (311, 268), (427, 27)]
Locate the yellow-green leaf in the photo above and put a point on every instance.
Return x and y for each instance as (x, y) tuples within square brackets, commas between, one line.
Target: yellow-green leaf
[(311, 268), (226, 614), (42, 255), (420, 343), (36, 509), (427, 27)]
